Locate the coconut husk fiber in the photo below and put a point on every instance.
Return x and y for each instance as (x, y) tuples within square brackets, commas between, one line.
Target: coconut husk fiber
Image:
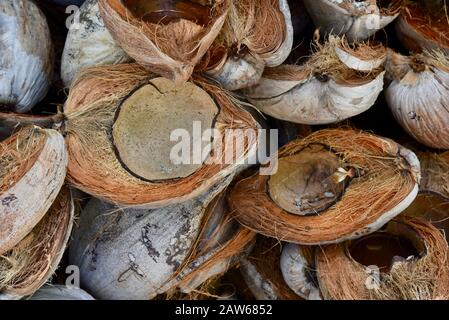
[(29, 264), (423, 276), (363, 162), (167, 37), (94, 166)]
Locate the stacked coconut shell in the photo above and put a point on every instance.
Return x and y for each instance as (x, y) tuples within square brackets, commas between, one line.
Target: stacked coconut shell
[(224, 149)]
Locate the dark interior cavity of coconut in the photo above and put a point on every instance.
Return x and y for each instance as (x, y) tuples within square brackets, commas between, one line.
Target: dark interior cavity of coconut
[(433, 208), (396, 242), (305, 183), (145, 121), (167, 11)]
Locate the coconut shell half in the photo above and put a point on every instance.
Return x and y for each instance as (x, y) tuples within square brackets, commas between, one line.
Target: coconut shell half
[(32, 172), (167, 37), (406, 260), (29, 264), (127, 138), (60, 292), (307, 200)]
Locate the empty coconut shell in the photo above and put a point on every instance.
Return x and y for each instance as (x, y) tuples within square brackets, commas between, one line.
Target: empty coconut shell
[(317, 190), (418, 96), (256, 34), (357, 20), (406, 260), (138, 254), (26, 62), (167, 37), (89, 44), (337, 82), (424, 25), (32, 171), (262, 274), (59, 292), (29, 264), (120, 136)]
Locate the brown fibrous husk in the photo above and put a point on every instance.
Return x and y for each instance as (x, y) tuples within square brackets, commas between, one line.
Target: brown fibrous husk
[(380, 169), (27, 266), (425, 278), (93, 166)]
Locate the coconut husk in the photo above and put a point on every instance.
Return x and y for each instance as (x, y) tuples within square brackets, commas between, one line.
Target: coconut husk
[(357, 20), (336, 206), (32, 170), (27, 59), (255, 34), (424, 25), (30, 263), (422, 276), (262, 274), (346, 78), (89, 44), (94, 165), (167, 38), (418, 95)]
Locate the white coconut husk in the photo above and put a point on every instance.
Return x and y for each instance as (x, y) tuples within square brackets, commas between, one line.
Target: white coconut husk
[(101, 165), (357, 20), (262, 274), (256, 34), (171, 49), (89, 44), (29, 264), (424, 25), (337, 82), (32, 172), (138, 254), (424, 275), (418, 96), (60, 292), (26, 62), (319, 193)]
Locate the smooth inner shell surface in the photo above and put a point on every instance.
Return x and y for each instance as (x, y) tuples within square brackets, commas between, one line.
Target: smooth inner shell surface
[(303, 184), (148, 118)]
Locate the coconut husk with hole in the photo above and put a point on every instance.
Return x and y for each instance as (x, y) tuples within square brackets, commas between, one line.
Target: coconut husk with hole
[(407, 260), (316, 189), (424, 25), (418, 95), (357, 20), (262, 274), (89, 44), (60, 292), (30, 263), (338, 81), (138, 254), (32, 171), (168, 38), (255, 34), (27, 60), (118, 136)]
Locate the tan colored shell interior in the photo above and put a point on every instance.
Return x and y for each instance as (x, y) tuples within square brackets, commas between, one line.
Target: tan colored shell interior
[(147, 120)]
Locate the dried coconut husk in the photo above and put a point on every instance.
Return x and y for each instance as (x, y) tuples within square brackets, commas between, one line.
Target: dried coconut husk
[(138, 254), (100, 141), (338, 81), (412, 257), (432, 202), (418, 96), (357, 20), (424, 25), (32, 170), (255, 34), (26, 62), (30, 263), (319, 193), (168, 38), (89, 44), (262, 274)]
